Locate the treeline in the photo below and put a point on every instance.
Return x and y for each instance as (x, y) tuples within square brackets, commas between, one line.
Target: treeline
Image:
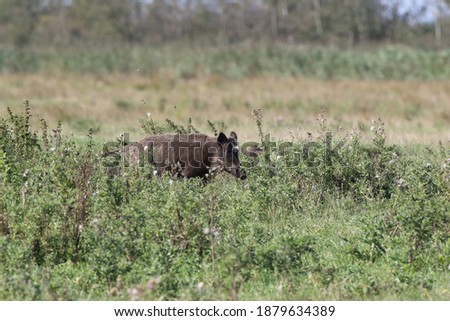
[(346, 22)]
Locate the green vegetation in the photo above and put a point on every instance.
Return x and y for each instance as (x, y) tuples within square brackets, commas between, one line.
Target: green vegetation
[(348, 23), (234, 62), (328, 216), (362, 220)]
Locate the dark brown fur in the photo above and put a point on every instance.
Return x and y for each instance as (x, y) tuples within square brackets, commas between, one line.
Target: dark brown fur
[(191, 155)]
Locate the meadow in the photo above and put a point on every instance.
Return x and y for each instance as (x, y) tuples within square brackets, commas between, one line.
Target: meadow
[(363, 215)]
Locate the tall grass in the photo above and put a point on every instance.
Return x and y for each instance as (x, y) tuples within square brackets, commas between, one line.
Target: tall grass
[(362, 220), (234, 61)]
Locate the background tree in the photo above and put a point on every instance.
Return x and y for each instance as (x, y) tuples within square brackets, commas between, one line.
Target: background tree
[(351, 22), (18, 19)]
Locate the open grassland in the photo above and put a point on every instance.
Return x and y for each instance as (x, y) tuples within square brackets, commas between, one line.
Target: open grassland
[(237, 61), (365, 220), (414, 111), (357, 208)]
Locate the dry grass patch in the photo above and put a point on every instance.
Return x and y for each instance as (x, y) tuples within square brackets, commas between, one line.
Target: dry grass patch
[(413, 111)]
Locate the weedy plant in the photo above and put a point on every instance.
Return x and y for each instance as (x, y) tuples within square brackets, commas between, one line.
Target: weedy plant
[(48, 184), (318, 219)]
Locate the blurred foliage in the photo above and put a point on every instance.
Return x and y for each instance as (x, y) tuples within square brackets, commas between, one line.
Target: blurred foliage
[(235, 62), (223, 21), (324, 39), (18, 20)]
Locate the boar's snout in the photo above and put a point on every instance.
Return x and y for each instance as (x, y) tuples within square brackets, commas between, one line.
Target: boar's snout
[(239, 173), (230, 152)]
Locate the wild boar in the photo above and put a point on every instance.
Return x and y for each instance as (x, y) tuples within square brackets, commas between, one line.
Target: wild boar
[(191, 155)]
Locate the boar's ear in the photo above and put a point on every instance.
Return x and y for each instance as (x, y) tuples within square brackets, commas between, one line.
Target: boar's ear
[(222, 139), (233, 135)]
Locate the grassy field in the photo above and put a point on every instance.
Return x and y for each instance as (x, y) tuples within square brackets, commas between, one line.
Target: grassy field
[(239, 61), (364, 215), (414, 111), (371, 222)]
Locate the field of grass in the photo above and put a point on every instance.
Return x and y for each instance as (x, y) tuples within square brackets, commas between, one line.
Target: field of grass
[(414, 111), (188, 61), (354, 221), (357, 207)]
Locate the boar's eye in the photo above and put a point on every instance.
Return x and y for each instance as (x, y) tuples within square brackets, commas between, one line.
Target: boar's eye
[(233, 149)]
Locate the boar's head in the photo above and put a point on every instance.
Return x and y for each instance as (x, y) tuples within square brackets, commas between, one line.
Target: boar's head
[(229, 154)]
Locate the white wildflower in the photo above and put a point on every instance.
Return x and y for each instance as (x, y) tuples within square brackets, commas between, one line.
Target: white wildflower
[(401, 182), (134, 294), (215, 232), (153, 282)]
